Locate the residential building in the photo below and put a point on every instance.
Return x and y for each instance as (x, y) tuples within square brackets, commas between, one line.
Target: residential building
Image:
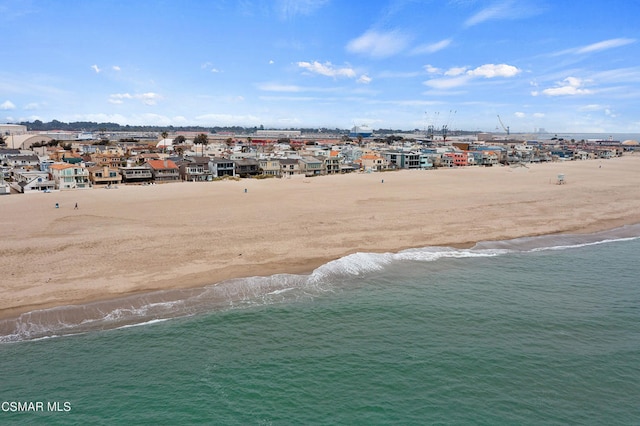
[(104, 175), (247, 167), (136, 174), (311, 166), (372, 162), (289, 166), (164, 170), (332, 163), (270, 166), (23, 161), (70, 176), (221, 167), (195, 169), (402, 159), (26, 181)]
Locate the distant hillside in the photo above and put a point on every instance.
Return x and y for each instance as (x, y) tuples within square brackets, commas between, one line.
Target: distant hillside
[(90, 126)]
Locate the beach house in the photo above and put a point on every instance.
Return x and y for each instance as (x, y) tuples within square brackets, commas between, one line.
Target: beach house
[(163, 170), (25, 181), (70, 176), (104, 175)]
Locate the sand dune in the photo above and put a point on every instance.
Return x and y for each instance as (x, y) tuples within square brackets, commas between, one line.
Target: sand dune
[(142, 238)]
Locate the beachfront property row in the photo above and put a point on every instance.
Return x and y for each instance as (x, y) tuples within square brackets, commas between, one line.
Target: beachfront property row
[(49, 168)]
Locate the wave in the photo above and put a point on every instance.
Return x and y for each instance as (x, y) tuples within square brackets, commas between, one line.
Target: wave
[(158, 306)]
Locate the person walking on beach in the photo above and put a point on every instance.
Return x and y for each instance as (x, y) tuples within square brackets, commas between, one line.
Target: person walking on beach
[(76, 207)]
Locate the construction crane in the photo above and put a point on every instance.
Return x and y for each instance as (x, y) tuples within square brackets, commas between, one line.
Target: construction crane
[(445, 128), (506, 128)]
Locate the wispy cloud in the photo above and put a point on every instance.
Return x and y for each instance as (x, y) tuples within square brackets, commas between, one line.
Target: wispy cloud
[(501, 10), (603, 45), (431, 48), (570, 86), (327, 69), (378, 44), (95, 68), (288, 9), (275, 87)]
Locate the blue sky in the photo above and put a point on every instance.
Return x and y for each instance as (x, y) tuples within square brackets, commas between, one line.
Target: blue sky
[(561, 65)]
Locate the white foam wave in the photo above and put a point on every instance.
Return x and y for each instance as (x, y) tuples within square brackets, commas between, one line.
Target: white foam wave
[(365, 263), (579, 245)]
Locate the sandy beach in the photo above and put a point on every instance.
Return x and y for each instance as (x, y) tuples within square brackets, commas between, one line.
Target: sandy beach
[(142, 238)]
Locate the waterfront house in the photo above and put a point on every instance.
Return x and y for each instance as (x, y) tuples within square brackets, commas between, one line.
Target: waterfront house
[(402, 159), (104, 175), (372, 162), (311, 166), (195, 169), (221, 167), (458, 158), (163, 170), (25, 181), (70, 176), (270, 166), (247, 167), (289, 166), (136, 174), (332, 163)]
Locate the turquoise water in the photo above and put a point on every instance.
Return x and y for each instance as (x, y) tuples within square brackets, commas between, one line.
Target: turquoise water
[(531, 331)]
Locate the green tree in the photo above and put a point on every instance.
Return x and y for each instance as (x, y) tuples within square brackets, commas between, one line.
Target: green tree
[(201, 139)]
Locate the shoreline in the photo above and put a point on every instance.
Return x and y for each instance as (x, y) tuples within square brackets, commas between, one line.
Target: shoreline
[(137, 240)]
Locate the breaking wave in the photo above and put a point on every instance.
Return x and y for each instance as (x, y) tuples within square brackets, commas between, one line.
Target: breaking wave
[(150, 308)]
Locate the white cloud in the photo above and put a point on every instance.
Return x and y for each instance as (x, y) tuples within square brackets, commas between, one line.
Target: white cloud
[(431, 48), (570, 86), (431, 69), (520, 114), (32, 106), (538, 114), (604, 45), (447, 83), (275, 87), (7, 105), (458, 76), (115, 68), (95, 68), (492, 70), (377, 44), (327, 69), (452, 72), (364, 79), (148, 98)]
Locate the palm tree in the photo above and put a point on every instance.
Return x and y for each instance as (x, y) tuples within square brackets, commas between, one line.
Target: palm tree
[(201, 139)]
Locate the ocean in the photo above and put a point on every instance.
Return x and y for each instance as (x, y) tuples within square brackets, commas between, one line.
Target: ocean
[(532, 331)]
